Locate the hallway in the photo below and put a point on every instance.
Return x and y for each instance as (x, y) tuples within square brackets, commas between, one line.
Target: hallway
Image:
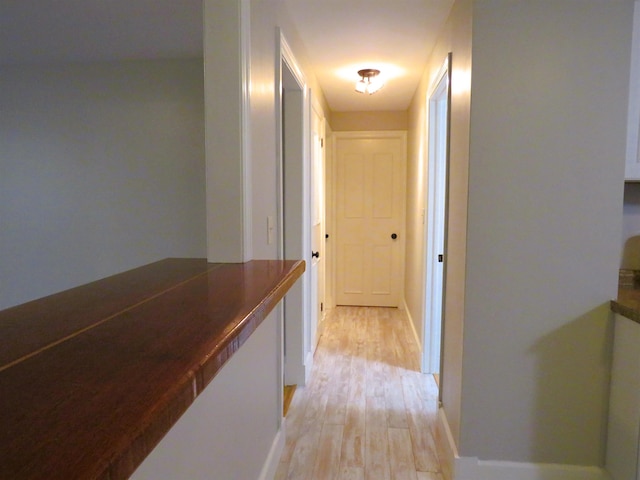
[(367, 412)]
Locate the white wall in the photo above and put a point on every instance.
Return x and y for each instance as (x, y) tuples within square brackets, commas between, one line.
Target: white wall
[(455, 37), (101, 170), (547, 147), (369, 121), (263, 127), (227, 91), (266, 17), (231, 428)]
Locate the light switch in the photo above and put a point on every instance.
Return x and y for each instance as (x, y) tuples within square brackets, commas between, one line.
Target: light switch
[(270, 230)]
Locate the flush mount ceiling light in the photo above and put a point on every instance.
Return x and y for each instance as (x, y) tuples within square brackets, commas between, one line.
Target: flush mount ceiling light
[(369, 81)]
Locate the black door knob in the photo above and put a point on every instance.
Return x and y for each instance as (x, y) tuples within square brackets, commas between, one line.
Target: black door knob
[(394, 236), (315, 254)]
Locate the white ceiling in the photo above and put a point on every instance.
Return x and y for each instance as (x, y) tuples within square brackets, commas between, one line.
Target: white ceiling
[(340, 37), (344, 36)]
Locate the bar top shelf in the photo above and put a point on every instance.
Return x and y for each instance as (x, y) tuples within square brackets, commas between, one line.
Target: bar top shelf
[(93, 377)]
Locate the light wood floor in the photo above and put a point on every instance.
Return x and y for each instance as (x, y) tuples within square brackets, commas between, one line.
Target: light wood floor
[(367, 412)]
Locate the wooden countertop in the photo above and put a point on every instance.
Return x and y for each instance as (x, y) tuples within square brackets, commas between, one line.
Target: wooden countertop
[(92, 378), (627, 304)]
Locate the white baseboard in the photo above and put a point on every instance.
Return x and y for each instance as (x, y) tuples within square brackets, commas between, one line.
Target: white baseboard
[(455, 467), (308, 365), (446, 446), (275, 452), (467, 468), (405, 307), (294, 373)]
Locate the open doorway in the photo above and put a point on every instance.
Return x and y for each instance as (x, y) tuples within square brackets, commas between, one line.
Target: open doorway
[(439, 100), (293, 213)]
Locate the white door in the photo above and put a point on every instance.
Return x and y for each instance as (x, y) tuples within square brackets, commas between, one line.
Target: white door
[(317, 222), (370, 185)]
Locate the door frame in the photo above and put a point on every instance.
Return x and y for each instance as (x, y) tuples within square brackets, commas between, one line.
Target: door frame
[(293, 222), (435, 225)]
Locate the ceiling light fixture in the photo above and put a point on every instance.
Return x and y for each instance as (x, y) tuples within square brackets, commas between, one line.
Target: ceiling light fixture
[(369, 81)]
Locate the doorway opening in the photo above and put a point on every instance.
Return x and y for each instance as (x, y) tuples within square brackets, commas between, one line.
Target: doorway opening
[(439, 101), (293, 213)]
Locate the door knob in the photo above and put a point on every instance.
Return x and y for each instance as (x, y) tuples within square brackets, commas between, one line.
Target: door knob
[(394, 236), (315, 254)]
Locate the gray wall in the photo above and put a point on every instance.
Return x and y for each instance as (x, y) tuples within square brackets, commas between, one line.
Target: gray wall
[(101, 170), (546, 169)]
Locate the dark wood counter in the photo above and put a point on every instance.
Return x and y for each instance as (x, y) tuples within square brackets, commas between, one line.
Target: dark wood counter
[(92, 378), (627, 304)]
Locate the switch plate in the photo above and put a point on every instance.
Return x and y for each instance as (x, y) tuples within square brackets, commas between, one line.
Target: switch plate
[(271, 228)]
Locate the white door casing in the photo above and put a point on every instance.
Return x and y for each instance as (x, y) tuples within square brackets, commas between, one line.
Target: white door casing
[(436, 219), (294, 240), (370, 217)]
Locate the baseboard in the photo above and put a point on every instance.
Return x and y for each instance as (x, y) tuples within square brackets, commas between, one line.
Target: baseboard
[(308, 365), (474, 469), (445, 446), (275, 452), (413, 327), (298, 374), (294, 374), (455, 467)]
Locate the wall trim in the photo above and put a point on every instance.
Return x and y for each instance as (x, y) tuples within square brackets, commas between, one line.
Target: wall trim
[(294, 231), (445, 446), (455, 467), (245, 118), (468, 468), (275, 452), (308, 365), (405, 307)]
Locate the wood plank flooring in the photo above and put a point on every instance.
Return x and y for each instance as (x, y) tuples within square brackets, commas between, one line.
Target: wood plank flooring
[(367, 412)]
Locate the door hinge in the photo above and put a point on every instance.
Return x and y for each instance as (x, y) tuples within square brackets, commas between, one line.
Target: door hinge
[(321, 306), (440, 258), (322, 143)]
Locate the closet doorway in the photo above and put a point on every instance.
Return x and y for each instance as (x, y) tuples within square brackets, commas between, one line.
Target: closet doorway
[(439, 101)]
